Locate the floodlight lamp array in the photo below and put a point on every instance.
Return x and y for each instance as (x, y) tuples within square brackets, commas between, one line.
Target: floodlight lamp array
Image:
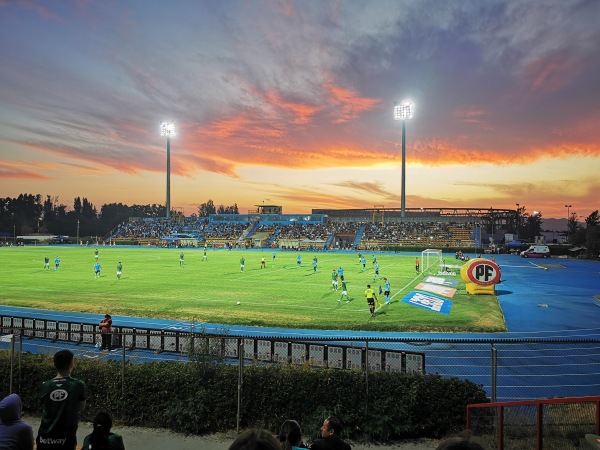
[(167, 129), (403, 110)]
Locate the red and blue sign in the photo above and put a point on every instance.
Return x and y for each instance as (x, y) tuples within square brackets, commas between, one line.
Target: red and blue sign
[(483, 272)]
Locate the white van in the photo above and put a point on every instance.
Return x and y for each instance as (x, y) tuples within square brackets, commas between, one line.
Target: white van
[(536, 251)]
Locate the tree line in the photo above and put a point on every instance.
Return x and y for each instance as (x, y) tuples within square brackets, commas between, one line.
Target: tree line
[(29, 214), (34, 214)]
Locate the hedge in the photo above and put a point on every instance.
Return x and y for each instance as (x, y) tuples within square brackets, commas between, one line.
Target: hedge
[(201, 397)]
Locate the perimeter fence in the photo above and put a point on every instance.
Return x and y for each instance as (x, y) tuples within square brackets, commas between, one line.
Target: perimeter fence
[(507, 369)]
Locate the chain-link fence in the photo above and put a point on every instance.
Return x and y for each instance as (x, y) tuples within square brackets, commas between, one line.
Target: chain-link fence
[(508, 370)]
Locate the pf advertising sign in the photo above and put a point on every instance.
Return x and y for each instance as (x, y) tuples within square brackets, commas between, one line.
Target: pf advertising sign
[(481, 272)]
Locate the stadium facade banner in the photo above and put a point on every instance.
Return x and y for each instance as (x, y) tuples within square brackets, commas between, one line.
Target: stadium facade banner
[(428, 301), (437, 289), (442, 281)]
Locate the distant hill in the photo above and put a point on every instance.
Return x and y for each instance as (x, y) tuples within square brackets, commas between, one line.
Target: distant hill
[(554, 224)]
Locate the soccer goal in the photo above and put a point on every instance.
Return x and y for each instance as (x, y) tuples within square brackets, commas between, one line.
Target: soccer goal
[(431, 259)]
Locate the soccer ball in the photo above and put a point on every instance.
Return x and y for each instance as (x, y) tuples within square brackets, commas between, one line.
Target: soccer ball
[(238, 303)]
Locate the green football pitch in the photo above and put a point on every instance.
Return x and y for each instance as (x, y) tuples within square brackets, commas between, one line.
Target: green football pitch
[(154, 284)]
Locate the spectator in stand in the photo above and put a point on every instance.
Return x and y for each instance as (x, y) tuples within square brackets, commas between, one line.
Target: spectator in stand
[(15, 434), (464, 441), (330, 436), (101, 438), (62, 398), (290, 436), (255, 440)]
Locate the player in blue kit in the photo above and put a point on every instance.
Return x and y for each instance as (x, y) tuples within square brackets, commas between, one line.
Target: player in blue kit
[(376, 275), (386, 292), (341, 273)]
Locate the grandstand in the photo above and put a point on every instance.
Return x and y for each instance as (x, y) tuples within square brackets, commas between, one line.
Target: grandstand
[(375, 228)]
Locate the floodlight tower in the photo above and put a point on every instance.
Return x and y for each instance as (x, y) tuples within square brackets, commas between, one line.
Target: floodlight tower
[(568, 218), (168, 129), (403, 111)]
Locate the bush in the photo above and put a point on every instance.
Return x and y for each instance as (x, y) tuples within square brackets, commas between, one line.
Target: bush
[(201, 397)]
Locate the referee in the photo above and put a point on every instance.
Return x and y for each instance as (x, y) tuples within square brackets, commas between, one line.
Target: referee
[(371, 297)]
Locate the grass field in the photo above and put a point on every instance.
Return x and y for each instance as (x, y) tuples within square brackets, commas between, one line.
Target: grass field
[(281, 295)]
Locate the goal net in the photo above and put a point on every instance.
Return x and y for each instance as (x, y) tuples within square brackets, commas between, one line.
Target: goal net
[(431, 259)]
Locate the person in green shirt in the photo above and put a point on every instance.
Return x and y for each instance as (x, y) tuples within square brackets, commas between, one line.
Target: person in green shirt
[(334, 281), (119, 270), (344, 292), (101, 437), (242, 264), (181, 259), (62, 398)]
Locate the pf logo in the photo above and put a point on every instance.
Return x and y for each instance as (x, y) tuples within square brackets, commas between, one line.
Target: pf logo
[(483, 272), (59, 395)]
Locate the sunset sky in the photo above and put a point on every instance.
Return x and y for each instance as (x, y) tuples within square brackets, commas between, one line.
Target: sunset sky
[(291, 102)]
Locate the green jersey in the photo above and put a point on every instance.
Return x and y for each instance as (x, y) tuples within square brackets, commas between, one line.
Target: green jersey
[(334, 276), (60, 400), (344, 286), (115, 442), (119, 267)]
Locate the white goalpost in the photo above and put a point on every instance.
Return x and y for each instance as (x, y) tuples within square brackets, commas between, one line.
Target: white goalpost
[(431, 258)]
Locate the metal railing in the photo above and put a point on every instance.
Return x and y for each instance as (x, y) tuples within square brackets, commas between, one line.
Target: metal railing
[(538, 424)]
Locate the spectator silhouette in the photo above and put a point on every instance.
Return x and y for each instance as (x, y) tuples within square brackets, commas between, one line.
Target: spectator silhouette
[(290, 436), (255, 440), (15, 434), (330, 436), (101, 438)]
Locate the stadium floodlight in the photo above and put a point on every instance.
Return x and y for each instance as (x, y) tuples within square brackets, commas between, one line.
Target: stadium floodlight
[(403, 111), (168, 129)]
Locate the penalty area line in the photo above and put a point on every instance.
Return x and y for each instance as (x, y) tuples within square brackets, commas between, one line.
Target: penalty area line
[(537, 266)]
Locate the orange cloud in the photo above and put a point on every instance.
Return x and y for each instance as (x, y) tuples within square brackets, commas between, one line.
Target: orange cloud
[(317, 199), (552, 73), (10, 172), (471, 115), (438, 153), (301, 112), (351, 105)]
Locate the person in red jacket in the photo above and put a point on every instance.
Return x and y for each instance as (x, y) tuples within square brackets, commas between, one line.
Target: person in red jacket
[(105, 331)]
